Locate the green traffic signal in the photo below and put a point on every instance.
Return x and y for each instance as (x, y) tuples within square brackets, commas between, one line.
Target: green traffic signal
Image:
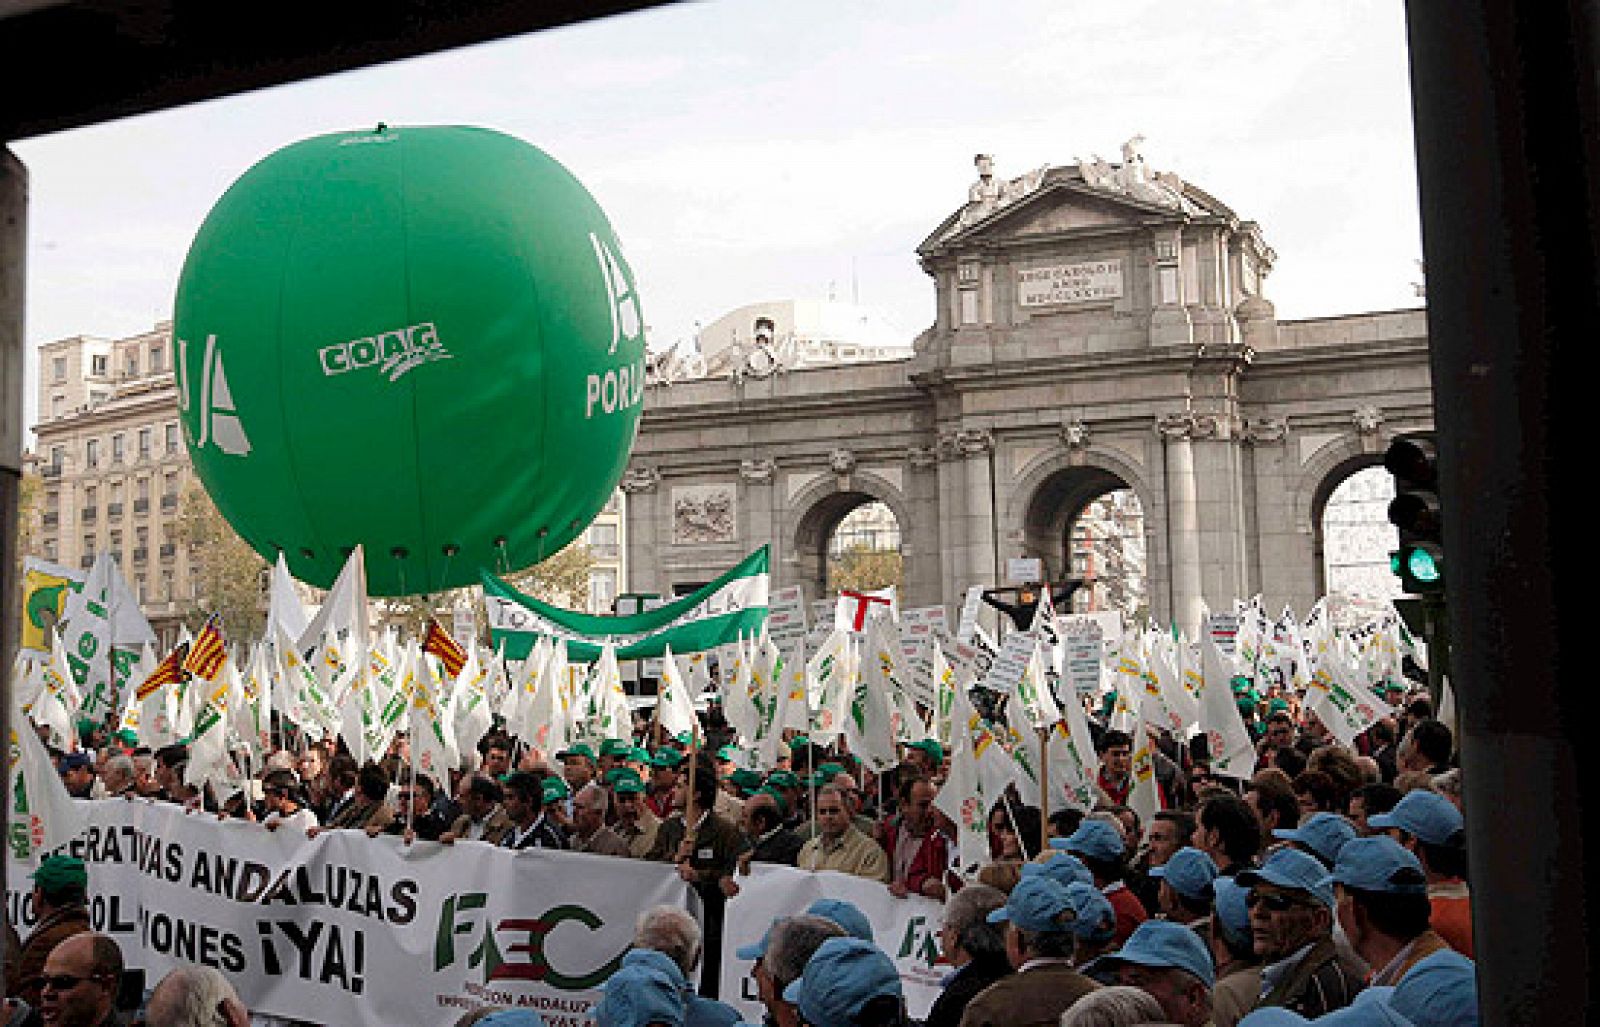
[(1423, 566)]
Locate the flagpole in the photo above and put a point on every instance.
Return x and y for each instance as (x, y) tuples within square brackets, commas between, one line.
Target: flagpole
[(1005, 800), (1044, 787)]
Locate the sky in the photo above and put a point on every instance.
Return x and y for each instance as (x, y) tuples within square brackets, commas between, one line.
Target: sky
[(752, 150)]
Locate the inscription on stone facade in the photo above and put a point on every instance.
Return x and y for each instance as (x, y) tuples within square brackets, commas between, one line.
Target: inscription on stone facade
[(702, 513), (1087, 281)]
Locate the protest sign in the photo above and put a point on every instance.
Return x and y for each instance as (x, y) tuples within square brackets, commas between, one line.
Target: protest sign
[(348, 929)]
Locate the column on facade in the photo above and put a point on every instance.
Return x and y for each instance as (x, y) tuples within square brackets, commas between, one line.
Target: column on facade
[(1183, 519), (968, 518)]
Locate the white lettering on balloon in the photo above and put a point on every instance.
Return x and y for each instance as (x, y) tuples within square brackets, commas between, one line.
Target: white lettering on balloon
[(620, 388)]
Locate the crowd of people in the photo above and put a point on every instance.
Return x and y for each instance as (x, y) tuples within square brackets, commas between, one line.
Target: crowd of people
[(1335, 877)]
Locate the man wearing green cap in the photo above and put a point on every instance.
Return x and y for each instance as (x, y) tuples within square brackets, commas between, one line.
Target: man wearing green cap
[(635, 823), (577, 766), (60, 896), (663, 781)]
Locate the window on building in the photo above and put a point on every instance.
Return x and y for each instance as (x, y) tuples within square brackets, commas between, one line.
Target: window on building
[(603, 541), (91, 497), (602, 589), (158, 358), (117, 448), (52, 499), (49, 548), (91, 453), (169, 484), (172, 437), (58, 457), (98, 396), (146, 439), (98, 364), (139, 588), (58, 369), (130, 362), (143, 488), (58, 406)]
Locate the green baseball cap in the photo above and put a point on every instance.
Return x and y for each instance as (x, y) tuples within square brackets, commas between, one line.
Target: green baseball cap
[(930, 746), (746, 780), (783, 779), (1277, 704), (553, 794), (777, 797), (628, 784), (728, 753), (666, 758), (640, 754), (558, 784), (581, 749), (799, 742), (615, 747), (57, 872)]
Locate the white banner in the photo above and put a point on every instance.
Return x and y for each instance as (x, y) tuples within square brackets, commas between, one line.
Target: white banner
[(907, 929), (348, 929)]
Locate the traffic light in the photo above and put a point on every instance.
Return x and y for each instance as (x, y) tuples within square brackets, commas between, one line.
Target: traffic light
[(1413, 460)]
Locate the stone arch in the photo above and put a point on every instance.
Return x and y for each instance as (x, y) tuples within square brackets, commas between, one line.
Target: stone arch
[(819, 507), (1056, 486), (1327, 469)]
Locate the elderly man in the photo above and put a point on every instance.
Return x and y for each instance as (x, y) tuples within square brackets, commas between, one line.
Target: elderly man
[(1038, 916), (781, 957), (770, 841), (1185, 895), (840, 845), (635, 824), (117, 778), (1291, 919), (577, 765), (79, 985), (589, 830), (672, 933), (1234, 953), (196, 996), (974, 946), (1170, 963), (60, 897)]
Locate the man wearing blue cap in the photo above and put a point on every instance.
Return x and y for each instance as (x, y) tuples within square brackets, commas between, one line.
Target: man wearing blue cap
[(781, 957), (1233, 951), (974, 946), (639, 996), (849, 983), (1321, 835), (1384, 908), (1170, 963), (1431, 827), (1186, 888), (1291, 917), (1100, 846), (1039, 941)]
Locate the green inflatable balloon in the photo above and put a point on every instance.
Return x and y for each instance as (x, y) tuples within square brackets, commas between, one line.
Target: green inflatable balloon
[(422, 340)]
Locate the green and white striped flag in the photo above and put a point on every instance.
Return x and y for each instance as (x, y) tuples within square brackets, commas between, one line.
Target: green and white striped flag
[(715, 615)]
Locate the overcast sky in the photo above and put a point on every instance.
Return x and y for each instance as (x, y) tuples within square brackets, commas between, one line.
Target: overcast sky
[(752, 150)]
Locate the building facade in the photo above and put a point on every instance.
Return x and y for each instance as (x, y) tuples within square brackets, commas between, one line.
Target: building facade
[(1099, 329)]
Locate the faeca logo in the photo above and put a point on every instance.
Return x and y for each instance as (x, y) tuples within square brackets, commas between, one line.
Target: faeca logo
[(393, 353), (513, 948)]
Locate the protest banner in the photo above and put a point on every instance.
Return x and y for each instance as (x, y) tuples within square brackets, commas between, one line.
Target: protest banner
[(906, 929), (348, 929)]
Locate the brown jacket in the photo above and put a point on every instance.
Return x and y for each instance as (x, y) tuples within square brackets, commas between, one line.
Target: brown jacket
[(495, 826), (362, 813), (1323, 980), (54, 929), (1031, 998)]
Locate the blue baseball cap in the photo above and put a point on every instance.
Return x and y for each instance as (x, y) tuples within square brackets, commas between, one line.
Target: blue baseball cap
[(845, 914), (1035, 904), (759, 949), (841, 977), (1095, 839), (1095, 921), (1428, 815), (660, 962), (1230, 907), (1322, 833), (1062, 867), (1190, 873), (1291, 868), (636, 996), (1379, 864), (1441, 989), (1164, 944)]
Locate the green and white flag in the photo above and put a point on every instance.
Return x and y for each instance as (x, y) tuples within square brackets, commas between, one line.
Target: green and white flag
[(42, 816), (677, 705), (715, 615)]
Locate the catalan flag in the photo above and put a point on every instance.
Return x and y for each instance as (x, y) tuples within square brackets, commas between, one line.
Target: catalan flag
[(439, 643), (207, 655), (168, 672)]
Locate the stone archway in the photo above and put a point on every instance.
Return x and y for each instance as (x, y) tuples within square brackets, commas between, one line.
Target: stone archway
[(1057, 490), (817, 511), (1321, 496)]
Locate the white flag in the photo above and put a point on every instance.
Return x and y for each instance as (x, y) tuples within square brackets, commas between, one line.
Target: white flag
[(676, 708), (1228, 740)]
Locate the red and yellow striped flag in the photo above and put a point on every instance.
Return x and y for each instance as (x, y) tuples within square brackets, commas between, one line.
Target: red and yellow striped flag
[(439, 643), (168, 672), (207, 654)]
